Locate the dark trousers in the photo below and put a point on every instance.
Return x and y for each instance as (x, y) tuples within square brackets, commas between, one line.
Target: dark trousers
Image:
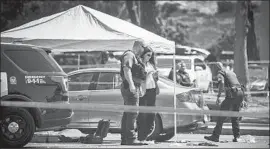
[(230, 104), (128, 123), (145, 121)]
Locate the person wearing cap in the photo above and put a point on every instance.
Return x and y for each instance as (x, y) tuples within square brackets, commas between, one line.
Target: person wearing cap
[(234, 96)]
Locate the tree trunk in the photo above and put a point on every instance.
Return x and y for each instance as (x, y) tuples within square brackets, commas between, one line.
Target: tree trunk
[(240, 54), (263, 26), (133, 13), (252, 50), (148, 16)]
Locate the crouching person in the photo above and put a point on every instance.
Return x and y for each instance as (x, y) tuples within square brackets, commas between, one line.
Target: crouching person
[(234, 96)]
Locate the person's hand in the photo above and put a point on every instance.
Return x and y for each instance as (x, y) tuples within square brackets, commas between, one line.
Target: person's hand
[(155, 74), (132, 88), (218, 101)]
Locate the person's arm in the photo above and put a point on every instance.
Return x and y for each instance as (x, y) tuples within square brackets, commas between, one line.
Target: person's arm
[(171, 75), (220, 87), (128, 62)]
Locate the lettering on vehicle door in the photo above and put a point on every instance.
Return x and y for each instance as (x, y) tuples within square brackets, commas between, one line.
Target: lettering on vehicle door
[(35, 80)]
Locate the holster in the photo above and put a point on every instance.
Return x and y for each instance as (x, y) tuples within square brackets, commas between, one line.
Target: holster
[(126, 85)]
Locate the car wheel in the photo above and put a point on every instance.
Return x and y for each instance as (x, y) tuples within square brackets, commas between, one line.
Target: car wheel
[(17, 127), (157, 128)]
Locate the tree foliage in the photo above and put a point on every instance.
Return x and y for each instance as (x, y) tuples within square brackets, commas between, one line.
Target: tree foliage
[(18, 12), (174, 29)]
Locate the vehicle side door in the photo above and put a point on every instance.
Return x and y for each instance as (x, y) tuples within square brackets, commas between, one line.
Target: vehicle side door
[(201, 73), (107, 92), (80, 86)]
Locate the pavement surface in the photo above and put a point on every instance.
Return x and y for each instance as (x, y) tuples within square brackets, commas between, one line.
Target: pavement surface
[(180, 141)]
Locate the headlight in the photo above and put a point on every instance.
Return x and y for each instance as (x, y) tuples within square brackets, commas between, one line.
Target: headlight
[(257, 87)]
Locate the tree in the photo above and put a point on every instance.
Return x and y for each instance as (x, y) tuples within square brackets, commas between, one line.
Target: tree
[(133, 11), (263, 23), (240, 54), (148, 16), (252, 50)]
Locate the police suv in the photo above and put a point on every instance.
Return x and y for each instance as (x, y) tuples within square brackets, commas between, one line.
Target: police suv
[(30, 74)]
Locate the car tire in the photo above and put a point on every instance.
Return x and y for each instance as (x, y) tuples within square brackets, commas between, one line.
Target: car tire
[(23, 127), (157, 128)]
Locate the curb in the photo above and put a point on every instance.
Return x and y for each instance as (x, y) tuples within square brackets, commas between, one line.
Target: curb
[(44, 139), (256, 130)]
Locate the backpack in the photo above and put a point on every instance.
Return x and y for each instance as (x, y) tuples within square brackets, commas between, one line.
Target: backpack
[(97, 137), (138, 71)]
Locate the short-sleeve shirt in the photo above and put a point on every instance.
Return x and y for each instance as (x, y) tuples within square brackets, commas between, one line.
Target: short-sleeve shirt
[(150, 82), (128, 60)]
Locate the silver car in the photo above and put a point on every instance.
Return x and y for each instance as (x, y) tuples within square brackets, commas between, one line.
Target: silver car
[(102, 86)]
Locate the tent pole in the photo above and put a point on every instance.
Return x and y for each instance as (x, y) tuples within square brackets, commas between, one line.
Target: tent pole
[(174, 98), (78, 64)]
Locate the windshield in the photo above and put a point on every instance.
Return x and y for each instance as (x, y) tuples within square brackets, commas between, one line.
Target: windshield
[(168, 62), (33, 60)]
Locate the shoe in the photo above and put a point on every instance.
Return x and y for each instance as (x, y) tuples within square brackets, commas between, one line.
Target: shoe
[(211, 138), (145, 142), (236, 139), (134, 142)]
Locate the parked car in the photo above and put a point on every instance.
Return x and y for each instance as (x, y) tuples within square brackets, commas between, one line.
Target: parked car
[(198, 71), (259, 81), (102, 86), (30, 74), (184, 50), (70, 61)]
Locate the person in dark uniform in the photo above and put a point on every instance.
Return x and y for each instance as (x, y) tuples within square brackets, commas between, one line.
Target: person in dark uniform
[(234, 96), (182, 77), (130, 71)]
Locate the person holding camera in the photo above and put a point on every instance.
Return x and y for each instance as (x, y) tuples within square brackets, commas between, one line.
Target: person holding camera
[(133, 73), (234, 96)]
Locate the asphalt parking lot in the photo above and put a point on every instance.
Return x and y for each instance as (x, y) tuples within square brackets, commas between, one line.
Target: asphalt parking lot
[(180, 141)]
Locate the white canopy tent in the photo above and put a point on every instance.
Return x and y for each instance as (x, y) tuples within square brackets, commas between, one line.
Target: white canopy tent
[(84, 29)]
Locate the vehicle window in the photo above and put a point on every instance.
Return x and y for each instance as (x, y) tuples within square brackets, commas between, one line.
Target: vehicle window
[(164, 63), (105, 81), (200, 63), (33, 60), (186, 61), (168, 63), (165, 82), (80, 81)]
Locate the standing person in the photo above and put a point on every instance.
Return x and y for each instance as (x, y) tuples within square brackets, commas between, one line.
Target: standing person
[(146, 120), (182, 77), (132, 74), (234, 95)]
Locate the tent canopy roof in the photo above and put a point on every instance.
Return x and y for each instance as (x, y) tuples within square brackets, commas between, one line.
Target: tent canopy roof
[(83, 28)]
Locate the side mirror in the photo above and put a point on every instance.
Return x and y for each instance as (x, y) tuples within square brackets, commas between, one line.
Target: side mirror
[(198, 68)]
